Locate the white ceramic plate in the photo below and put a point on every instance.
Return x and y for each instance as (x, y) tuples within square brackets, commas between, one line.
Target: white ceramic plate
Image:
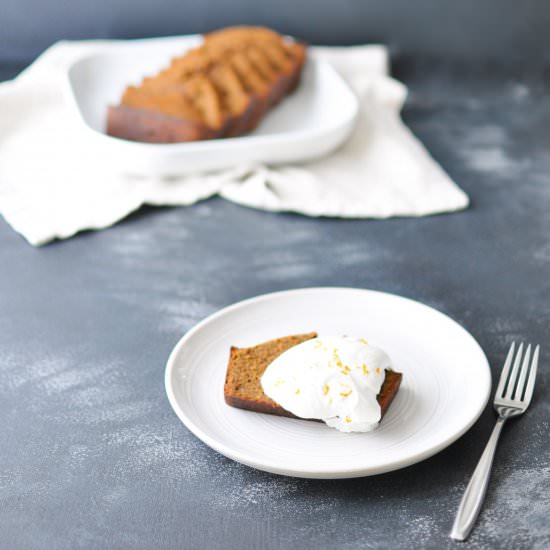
[(446, 382), (309, 123)]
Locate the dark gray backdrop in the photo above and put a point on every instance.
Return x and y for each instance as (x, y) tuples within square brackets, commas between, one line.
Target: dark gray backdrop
[(468, 28), (92, 456)]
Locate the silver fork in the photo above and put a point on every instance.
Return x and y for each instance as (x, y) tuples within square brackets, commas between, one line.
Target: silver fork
[(512, 397)]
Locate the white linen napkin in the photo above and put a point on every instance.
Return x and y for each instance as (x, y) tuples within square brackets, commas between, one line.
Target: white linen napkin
[(51, 187)]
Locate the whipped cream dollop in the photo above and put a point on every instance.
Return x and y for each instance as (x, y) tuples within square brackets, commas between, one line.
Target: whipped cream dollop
[(332, 379)]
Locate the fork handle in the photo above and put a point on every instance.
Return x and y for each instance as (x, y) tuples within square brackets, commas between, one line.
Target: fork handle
[(473, 497)]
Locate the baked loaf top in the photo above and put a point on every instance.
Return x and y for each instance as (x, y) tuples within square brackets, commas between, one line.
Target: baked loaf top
[(221, 88), (246, 366)]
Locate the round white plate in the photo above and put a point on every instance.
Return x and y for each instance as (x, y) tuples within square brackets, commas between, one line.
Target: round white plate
[(446, 382)]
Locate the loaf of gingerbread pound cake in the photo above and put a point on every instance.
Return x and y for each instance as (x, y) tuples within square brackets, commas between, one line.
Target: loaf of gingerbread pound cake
[(246, 366), (221, 89)]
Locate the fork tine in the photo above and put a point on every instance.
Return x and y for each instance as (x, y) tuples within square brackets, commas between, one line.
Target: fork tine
[(523, 371), (532, 376), (514, 374), (505, 371)]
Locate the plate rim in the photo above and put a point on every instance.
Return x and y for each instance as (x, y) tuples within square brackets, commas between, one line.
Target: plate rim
[(321, 473)]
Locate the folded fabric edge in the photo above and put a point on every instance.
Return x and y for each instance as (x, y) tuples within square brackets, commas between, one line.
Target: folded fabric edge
[(462, 203), (36, 237)]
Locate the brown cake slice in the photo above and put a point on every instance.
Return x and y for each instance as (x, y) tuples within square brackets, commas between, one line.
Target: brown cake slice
[(222, 88), (234, 36), (246, 366)]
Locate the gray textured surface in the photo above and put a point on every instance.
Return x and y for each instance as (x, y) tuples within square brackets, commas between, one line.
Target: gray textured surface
[(91, 455)]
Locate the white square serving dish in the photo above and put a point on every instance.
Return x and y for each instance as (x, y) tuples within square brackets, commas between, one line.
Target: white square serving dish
[(315, 119)]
